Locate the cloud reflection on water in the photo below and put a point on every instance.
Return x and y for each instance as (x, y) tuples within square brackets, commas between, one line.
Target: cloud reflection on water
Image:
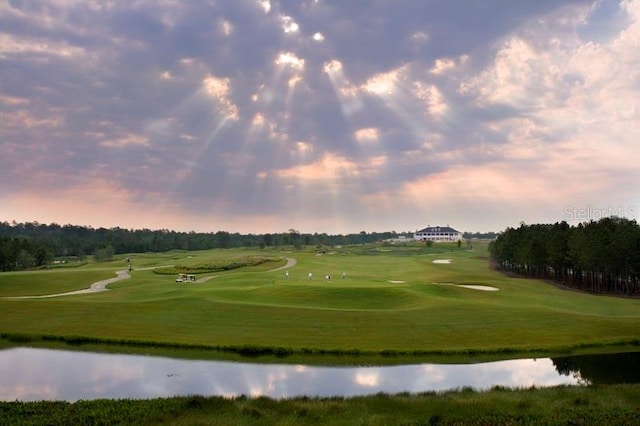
[(30, 374)]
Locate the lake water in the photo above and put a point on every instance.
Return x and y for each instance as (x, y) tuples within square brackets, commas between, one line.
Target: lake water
[(30, 374)]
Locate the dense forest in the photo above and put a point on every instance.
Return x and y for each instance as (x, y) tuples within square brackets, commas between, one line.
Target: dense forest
[(600, 257), (29, 245)]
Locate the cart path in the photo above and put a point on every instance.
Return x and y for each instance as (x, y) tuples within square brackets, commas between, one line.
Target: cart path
[(123, 275), (291, 262), (95, 287)]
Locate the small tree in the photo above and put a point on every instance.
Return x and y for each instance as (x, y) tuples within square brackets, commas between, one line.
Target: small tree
[(25, 259), (103, 254), (294, 238), (223, 239), (43, 255)]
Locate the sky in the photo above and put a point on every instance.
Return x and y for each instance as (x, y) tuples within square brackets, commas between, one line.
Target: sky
[(336, 116)]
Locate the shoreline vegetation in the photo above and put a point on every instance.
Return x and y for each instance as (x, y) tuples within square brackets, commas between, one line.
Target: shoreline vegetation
[(310, 356), (584, 405)]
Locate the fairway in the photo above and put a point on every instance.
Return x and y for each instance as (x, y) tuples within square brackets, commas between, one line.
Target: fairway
[(409, 299)]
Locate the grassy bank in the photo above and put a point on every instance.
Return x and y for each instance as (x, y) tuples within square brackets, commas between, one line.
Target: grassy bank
[(394, 301), (306, 356), (615, 404)]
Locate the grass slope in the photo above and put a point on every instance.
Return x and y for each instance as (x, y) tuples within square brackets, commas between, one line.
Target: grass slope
[(388, 301)]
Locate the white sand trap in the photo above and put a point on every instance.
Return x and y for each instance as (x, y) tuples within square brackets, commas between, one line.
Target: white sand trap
[(442, 261), (396, 282), (472, 286), (479, 287)]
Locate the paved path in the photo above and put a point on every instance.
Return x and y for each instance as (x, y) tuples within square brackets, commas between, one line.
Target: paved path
[(291, 262), (95, 287), (123, 275)]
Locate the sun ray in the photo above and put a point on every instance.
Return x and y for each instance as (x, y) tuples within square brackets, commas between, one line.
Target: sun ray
[(367, 140), (397, 97), (269, 124)]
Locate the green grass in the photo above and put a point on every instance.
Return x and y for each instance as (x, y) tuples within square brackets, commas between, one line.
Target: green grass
[(606, 405), (388, 302), (49, 281)]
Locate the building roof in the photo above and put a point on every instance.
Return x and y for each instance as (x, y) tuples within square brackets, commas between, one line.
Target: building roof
[(446, 229)]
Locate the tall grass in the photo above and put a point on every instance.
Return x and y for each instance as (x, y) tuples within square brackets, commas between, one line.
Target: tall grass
[(222, 265)]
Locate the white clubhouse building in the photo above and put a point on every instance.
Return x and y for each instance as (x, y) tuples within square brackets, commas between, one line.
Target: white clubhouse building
[(437, 234)]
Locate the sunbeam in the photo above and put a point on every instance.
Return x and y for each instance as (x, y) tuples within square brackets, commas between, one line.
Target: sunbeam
[(396, 95), (350, 100), (370, 152)]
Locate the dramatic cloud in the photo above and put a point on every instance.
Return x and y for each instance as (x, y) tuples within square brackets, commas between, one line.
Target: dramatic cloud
[(323, 116)]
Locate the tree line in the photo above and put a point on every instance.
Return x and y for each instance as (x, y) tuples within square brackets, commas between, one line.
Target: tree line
[(23, 253), (601, 257), (33, 244)]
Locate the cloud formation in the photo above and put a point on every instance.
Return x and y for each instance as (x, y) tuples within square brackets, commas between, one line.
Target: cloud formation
[(260, 116)]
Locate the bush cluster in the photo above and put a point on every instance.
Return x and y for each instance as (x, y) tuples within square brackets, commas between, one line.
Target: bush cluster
[(219, 266)]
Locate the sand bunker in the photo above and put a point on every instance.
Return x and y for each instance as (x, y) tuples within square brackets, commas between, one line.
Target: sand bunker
[(442, 261), (471, 286), (478, 287), (396, 282)]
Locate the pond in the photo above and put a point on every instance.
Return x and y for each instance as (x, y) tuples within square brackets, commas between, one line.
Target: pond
[(30, 374)]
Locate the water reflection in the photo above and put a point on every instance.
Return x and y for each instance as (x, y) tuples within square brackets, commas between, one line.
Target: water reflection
[(30, 374), (602, 369)]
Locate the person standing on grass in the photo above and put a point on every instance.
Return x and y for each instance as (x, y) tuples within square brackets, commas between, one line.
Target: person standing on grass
[(286, 275), (344, 275), (310, 276)]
